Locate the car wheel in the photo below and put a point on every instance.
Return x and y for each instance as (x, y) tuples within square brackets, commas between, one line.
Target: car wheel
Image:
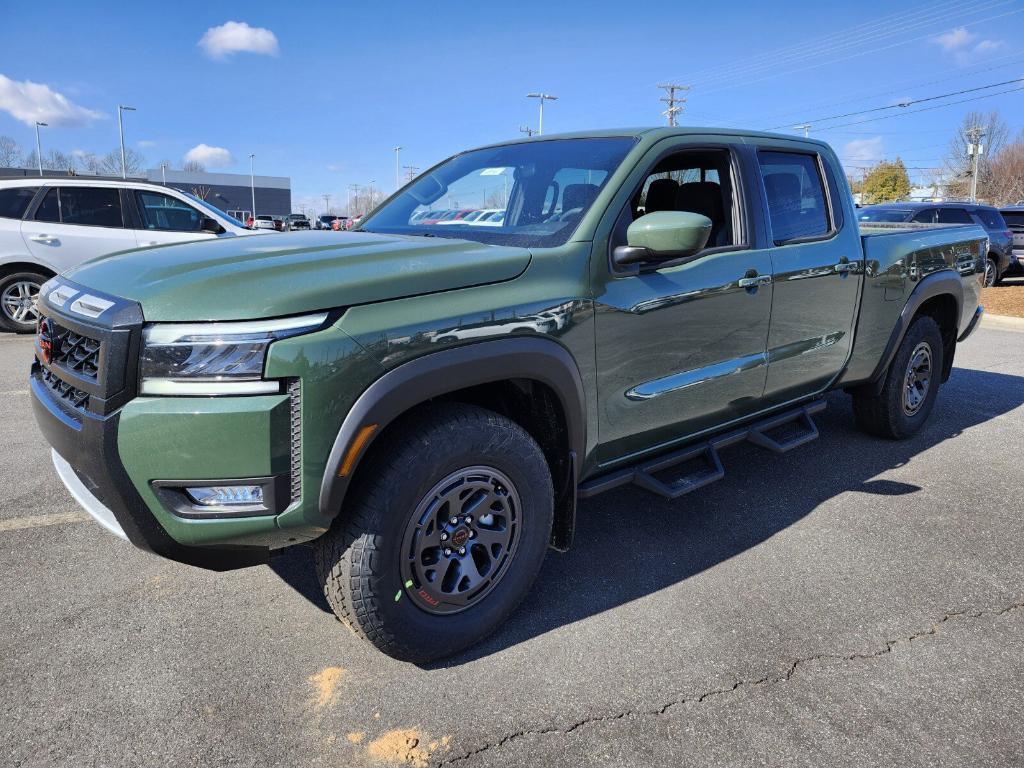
[(991, 273), (910, 387), (444, 531), (18, 295)]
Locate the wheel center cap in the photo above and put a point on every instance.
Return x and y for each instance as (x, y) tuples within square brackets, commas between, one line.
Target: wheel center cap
[(460, 537)]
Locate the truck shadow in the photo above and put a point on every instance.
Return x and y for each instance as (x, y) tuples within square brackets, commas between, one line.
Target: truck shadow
[(630, 543)]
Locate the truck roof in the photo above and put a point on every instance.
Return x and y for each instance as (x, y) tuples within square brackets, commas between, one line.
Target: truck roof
[(659, 132), (914, 205)]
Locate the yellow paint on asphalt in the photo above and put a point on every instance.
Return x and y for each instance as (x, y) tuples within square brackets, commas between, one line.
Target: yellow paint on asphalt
[(356, 736), (38, 521)]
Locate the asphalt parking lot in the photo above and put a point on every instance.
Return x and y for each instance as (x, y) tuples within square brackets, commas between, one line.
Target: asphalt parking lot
[(855, 602)]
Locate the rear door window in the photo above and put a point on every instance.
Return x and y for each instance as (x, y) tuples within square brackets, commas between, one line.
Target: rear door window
[(91, 206), (954, 216), (14, 201), (926, 216), (795, 192)]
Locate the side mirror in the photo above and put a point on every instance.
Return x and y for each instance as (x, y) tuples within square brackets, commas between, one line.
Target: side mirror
[(663, 236), (206, 224)]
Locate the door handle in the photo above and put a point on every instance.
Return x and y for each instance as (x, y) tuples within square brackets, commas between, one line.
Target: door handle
[(752, 282), (846, 266), (43, 238)]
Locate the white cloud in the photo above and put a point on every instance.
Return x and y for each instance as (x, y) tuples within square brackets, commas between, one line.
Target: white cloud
[(335, 168), (211, 157), (861, 153), (146, 143), (955, 39), (79, 153), (31, 102), (238, 37)]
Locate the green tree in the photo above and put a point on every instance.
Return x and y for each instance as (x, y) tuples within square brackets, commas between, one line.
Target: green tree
[(886, 182)]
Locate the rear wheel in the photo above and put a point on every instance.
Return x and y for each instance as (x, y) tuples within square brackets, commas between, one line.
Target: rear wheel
[(910, 386), (991, 272), (443, 536), (19, 293)]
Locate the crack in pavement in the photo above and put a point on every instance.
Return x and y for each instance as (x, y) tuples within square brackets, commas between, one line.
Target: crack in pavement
[(767, 680)]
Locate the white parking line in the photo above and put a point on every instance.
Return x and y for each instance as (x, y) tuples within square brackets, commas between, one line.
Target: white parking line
[(38, 521), (14, 392)]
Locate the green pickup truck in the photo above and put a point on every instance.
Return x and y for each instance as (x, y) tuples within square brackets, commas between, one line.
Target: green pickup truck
[(424, 400)]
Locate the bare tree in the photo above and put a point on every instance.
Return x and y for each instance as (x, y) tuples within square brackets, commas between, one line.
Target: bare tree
[(10, 153), (55, 160), (193, 166), (1005, 183), (134, 162), (201, 192), (957, 165), (90, 163)]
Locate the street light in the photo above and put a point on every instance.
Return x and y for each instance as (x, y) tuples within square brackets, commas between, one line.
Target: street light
[(163, 173), (39, 150), (252, 187), (542, 97), (120, 128), (398, 167)]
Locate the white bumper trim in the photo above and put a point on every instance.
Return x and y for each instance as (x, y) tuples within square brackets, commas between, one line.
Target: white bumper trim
[(84, 497)]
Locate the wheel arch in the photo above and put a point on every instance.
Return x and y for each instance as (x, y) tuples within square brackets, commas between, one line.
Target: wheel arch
[(535, 382), (10, 267)]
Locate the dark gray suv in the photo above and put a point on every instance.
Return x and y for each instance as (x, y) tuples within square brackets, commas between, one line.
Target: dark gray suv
[(1000, 253)]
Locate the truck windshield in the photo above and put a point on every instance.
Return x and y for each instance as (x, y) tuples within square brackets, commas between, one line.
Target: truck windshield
[(882, 214), (541, 188)]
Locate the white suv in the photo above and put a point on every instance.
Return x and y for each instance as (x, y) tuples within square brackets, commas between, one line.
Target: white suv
[(48, 225)]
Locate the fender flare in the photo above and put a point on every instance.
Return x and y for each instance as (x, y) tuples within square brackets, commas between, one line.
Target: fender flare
[(946, 282), (439, 373)]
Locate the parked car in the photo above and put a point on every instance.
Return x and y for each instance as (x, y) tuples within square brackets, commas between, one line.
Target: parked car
[(324, 221), (296, 221), (426, 404), (1014, 217), (1000, 237), (265, 222), (48, 225), (492, 217)]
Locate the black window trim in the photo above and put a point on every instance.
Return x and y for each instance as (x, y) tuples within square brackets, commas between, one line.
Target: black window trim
[(742, 223), (43, 191), (833, 230)]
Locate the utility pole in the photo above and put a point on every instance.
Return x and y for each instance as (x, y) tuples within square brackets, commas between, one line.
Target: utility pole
[(39, 150), (975, 149), (327, 205), (398, 167), (674, 102), (252, 186), (348, 203), (527, 130), (369, 203), (120, 129), (805, 127), (411, 172), (542, 97)]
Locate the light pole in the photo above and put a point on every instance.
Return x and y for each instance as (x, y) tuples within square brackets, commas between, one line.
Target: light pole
[(120, 129), (39, 149), (369, 196), (327, 205), (805, 127), (398, 167), (252, 185), (542, 97), (163, 173)]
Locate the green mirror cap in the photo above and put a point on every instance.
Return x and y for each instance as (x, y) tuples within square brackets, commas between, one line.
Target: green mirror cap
[(670, 232)]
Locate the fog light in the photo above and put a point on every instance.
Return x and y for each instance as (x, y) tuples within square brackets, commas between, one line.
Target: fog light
[(233, 496)]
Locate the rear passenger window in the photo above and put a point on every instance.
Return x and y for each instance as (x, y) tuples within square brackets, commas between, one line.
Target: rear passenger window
[(925, 217), (954, 216), (15, 200), (797, 206), (91, 206), (991, 218), (49, 208)]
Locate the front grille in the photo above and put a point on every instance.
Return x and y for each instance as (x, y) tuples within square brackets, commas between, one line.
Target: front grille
[(295, 398), (75, 351), (64, 391)]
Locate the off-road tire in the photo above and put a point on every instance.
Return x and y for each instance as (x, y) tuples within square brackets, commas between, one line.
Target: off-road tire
[(358, 561), (883, 415)]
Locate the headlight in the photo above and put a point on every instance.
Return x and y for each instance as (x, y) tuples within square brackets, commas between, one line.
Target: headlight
[(214, 358)]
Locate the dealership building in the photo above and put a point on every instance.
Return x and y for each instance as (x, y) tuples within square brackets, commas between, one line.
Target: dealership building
[(231, 192)]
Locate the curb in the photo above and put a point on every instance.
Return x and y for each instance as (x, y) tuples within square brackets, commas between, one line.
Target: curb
[(1003, 322)]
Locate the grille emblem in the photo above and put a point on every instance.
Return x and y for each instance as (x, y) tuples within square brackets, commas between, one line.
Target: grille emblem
[(45, 340)]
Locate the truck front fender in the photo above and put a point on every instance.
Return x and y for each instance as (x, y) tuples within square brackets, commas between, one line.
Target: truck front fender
[(441, 373)]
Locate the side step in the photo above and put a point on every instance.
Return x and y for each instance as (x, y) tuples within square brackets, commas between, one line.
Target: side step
[(698, 465)]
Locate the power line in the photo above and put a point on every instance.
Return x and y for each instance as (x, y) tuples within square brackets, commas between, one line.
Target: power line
[(675, 103), (904, 104)]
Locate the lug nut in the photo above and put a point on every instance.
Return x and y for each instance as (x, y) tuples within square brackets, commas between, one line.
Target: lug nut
[(454, 521), (472, 534), (469, 519), (444, 537), (462, 550), (447, 552)]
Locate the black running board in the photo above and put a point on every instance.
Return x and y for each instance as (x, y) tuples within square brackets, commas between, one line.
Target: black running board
[(700, 464)]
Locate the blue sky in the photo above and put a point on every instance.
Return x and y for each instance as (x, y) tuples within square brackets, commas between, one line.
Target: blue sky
[(328, 89)]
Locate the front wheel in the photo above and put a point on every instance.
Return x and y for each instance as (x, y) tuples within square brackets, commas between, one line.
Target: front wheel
[(19, 293), (445, 532), (991, 272), (910, 386)]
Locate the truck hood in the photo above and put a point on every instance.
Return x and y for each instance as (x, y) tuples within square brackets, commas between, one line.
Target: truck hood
[(242, 278)]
